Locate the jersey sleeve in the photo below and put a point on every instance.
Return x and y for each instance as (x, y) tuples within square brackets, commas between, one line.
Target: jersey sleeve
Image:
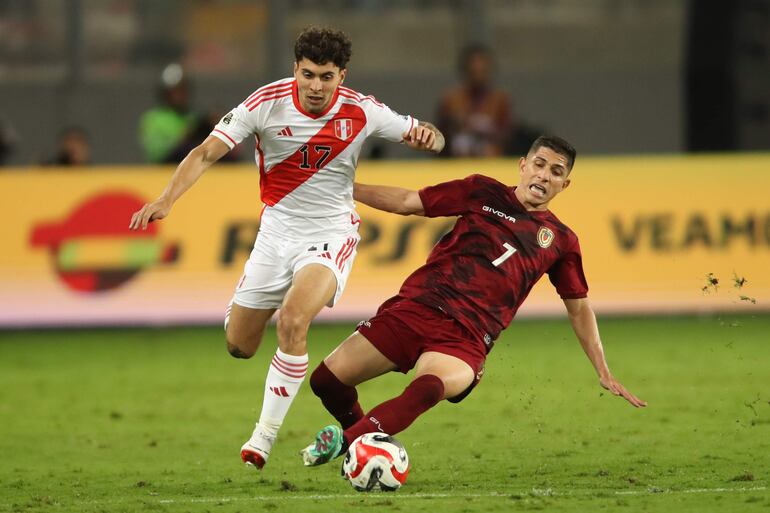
[(235, 126), (567, 275), (447, 198), (388, 124)]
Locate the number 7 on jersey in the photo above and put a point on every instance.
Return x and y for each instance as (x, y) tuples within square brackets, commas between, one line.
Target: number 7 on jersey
[(510, 250)]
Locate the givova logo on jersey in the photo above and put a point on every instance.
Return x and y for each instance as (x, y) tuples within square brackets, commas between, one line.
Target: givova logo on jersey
[(343, 128)]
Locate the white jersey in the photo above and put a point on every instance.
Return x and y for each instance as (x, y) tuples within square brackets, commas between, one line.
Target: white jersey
[(307, 161)]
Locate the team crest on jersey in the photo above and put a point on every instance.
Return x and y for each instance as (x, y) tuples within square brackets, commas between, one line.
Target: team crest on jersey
[(343, 128), (544, 237)]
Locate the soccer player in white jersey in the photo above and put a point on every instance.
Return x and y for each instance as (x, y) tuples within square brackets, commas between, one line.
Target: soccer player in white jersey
[(309, 130)]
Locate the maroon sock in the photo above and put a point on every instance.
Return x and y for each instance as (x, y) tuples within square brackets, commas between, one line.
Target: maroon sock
[(338, 398), (397, 414)]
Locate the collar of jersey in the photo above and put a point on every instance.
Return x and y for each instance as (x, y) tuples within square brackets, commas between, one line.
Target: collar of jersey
[(298, 105), (540, 214)]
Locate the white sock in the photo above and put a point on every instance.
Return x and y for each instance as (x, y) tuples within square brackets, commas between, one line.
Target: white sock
[(284, 378)]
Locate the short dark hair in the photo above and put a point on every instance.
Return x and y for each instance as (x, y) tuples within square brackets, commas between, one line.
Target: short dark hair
[(322, 45), (558, 145)]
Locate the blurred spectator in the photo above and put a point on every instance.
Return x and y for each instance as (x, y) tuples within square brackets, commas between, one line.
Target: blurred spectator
[(475, 116), (164, 130), (73, 148), (8, 140), (169, 131)]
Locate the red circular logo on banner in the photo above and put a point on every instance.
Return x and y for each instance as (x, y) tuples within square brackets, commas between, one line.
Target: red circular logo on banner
[(93, 250)]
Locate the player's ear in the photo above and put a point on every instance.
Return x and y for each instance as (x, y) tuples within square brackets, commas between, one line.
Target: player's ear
[(566, 184), (296, 67), (343, 72), (522, 165)]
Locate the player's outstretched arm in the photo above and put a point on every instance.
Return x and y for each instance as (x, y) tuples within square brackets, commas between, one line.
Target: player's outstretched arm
[(425, 136), (390, 199), (186, 174), (583, 320)]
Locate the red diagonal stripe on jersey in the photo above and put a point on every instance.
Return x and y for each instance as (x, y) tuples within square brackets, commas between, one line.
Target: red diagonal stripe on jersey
[(286, 176)]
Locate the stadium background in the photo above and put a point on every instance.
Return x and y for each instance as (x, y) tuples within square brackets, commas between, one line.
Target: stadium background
[(667, 102)]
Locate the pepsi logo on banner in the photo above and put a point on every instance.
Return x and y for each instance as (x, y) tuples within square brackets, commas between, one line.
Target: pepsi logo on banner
[(92, 249)]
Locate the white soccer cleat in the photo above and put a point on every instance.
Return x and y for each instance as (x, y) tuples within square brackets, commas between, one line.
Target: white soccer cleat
[(256, 451), (307, 457)]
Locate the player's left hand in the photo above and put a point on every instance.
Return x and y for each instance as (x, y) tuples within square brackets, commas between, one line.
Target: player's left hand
[(613, 385), (420, 138)]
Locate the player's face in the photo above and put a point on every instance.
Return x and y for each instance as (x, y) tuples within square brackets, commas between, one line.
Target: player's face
[(316, 84), (544, 174)]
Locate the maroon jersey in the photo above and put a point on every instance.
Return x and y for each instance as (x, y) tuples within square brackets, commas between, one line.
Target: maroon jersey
[(481, 271)]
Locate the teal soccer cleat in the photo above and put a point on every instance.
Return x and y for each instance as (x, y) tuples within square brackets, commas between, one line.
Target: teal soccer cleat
[(327, 446)]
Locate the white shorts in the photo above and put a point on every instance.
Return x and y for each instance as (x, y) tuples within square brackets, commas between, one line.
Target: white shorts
[(270, 269)]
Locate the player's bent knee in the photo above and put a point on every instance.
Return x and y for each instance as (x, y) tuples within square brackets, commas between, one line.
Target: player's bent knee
[(243, 343), (323, 381), (318, 381), (431, 388), (237, 352)]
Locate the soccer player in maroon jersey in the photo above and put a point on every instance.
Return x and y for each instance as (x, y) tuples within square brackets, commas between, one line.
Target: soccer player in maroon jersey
[(448, 313)]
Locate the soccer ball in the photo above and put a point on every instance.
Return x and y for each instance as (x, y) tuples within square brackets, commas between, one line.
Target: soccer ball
[(376, 459)]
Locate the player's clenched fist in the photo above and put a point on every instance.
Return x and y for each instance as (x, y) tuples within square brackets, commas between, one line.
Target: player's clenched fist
[(424, 137), (150, 212)]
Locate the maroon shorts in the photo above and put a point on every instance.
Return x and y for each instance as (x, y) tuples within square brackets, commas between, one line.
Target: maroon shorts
[(403, 329)]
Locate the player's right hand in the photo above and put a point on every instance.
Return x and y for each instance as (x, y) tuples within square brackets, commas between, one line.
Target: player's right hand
[(150, 212), (613, 385)]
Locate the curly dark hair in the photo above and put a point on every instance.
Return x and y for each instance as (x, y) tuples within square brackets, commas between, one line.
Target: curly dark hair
[(322, 45)]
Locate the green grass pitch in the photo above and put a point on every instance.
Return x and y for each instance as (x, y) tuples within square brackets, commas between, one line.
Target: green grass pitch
[(153, 419)]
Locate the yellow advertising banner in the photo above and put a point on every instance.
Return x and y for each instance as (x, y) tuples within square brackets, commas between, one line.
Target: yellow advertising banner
[(658, 235)]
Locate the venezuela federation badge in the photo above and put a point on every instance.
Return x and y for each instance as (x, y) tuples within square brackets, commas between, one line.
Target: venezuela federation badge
[(544, 237)]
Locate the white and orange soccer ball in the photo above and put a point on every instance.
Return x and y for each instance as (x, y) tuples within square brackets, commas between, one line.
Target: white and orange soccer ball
[(376, 459)]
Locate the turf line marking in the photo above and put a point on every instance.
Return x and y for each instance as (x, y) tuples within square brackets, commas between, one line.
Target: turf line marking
[(693, 490), (534, 492)]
